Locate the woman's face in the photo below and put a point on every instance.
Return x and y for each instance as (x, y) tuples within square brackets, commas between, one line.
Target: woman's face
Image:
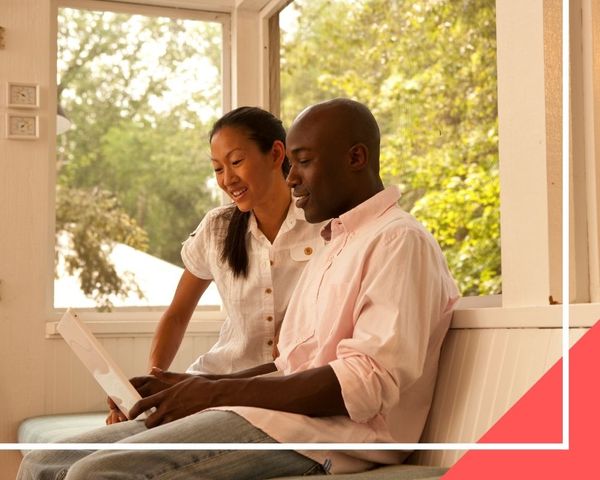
[(242, 170)]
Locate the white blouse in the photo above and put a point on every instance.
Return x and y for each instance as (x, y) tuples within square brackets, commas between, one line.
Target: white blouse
[(254, 305)]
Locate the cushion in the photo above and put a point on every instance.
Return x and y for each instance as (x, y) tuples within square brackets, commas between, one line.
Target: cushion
[(55, 428)]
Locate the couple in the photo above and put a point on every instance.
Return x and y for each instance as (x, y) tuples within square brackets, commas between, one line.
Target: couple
[(357, 352)]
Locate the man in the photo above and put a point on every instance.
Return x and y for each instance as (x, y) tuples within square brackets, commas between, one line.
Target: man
[(359, 345)]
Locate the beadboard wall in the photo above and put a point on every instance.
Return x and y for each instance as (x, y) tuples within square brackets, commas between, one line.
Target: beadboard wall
[(483, 372), (69, 387)]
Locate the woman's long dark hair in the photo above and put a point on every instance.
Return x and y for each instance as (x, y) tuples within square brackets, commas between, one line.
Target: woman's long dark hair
[(263, 128)]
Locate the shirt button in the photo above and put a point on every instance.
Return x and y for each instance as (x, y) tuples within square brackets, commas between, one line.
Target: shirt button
[(270, 342), (271, 262), (269, 318), (308, 251), (268, 290)]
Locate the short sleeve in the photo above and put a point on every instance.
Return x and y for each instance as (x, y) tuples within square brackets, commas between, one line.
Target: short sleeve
[(199, 251)]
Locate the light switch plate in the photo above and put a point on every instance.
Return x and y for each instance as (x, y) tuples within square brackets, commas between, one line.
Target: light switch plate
[(21, 126), (23, 95)]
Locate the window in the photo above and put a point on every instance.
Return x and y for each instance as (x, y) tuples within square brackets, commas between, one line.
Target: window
[(141, 91), (427, 70)]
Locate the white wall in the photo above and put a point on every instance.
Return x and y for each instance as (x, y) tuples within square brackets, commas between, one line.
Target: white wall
[(24, 222)]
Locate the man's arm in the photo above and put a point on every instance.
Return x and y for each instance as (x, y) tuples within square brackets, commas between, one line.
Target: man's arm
[(250, 372), (159, 380), (315, 392)]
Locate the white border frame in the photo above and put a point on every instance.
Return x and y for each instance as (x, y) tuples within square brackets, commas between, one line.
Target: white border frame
[(564, 445)]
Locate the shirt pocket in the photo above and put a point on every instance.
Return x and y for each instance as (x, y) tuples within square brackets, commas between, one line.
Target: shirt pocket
[(304, 251)]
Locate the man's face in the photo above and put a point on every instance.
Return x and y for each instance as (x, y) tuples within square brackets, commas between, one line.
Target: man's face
[(317, 174)]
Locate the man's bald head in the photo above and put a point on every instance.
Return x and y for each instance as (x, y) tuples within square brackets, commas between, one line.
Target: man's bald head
[(346, 121), (333, 148)]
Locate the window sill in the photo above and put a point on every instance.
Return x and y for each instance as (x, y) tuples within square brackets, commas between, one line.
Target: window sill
[(143, 323), (138, 323), (581, 315)]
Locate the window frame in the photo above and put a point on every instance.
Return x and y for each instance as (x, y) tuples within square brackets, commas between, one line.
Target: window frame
[(530, 146), (130, 318), (530, 271)]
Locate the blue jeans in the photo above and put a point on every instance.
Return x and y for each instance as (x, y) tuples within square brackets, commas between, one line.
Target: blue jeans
[(203, 427)]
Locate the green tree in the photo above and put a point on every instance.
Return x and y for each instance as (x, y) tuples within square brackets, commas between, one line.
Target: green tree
[(90, 221), (139, 134), (427, 69)]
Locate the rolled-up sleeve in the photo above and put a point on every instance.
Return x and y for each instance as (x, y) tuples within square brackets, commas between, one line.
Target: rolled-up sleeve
[(394, 313)]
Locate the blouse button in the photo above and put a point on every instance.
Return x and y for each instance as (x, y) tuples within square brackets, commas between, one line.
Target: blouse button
[(308, 251), (270, 342), (271, 262), (268, 290), (269, 318)]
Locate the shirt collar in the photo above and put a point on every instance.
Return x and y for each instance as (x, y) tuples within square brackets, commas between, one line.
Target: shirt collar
[(294, 214), (368, 210)]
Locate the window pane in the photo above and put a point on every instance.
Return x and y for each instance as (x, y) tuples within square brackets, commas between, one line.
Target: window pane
[(134, 177), (427, 70)]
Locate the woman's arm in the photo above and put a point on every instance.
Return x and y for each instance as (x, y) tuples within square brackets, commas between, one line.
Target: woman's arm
[(170, 330), (174, 321)]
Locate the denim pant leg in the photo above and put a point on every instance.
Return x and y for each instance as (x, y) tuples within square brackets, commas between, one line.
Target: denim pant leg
[(204, 427), (53, 464)]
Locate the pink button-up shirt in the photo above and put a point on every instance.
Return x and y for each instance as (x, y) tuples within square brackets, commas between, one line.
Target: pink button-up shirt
[(375, 305)]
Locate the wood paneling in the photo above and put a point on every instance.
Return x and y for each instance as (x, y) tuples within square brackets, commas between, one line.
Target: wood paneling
[(482, 374)]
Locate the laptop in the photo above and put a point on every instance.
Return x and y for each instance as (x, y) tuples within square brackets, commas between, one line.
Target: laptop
[(98, 361)]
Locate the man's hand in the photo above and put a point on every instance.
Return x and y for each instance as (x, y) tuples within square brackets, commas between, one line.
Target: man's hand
[(146, 385), (179, 400), (157, 381), (313, 392)]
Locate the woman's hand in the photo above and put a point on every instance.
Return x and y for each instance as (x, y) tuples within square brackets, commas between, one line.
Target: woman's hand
[(114, 414)]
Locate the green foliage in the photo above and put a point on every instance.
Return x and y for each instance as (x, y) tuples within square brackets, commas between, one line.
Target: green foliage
[(141, 93), (427, 70), (86, 219)]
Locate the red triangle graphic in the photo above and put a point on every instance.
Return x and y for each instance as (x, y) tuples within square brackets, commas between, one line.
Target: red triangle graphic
[(537, 418)]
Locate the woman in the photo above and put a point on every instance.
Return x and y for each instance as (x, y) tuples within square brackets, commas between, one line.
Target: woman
[(254, 250)]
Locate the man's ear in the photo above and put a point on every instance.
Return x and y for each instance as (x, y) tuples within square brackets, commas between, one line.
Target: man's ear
[(359, 156), (278, 153)]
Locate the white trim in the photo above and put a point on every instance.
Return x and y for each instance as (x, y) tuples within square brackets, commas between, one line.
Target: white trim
[(590, 19), (224, 6), (245, 58), (522, 148), (136, 8), (139, 324), (145, 328), (479, 301), (284, 446), (226, 79), (270, 9), (579, 285), (582, 315), (566, 313)]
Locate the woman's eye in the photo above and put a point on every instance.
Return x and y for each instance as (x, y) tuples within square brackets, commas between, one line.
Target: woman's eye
[(218, 170), (237, 162), (303, 161)]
